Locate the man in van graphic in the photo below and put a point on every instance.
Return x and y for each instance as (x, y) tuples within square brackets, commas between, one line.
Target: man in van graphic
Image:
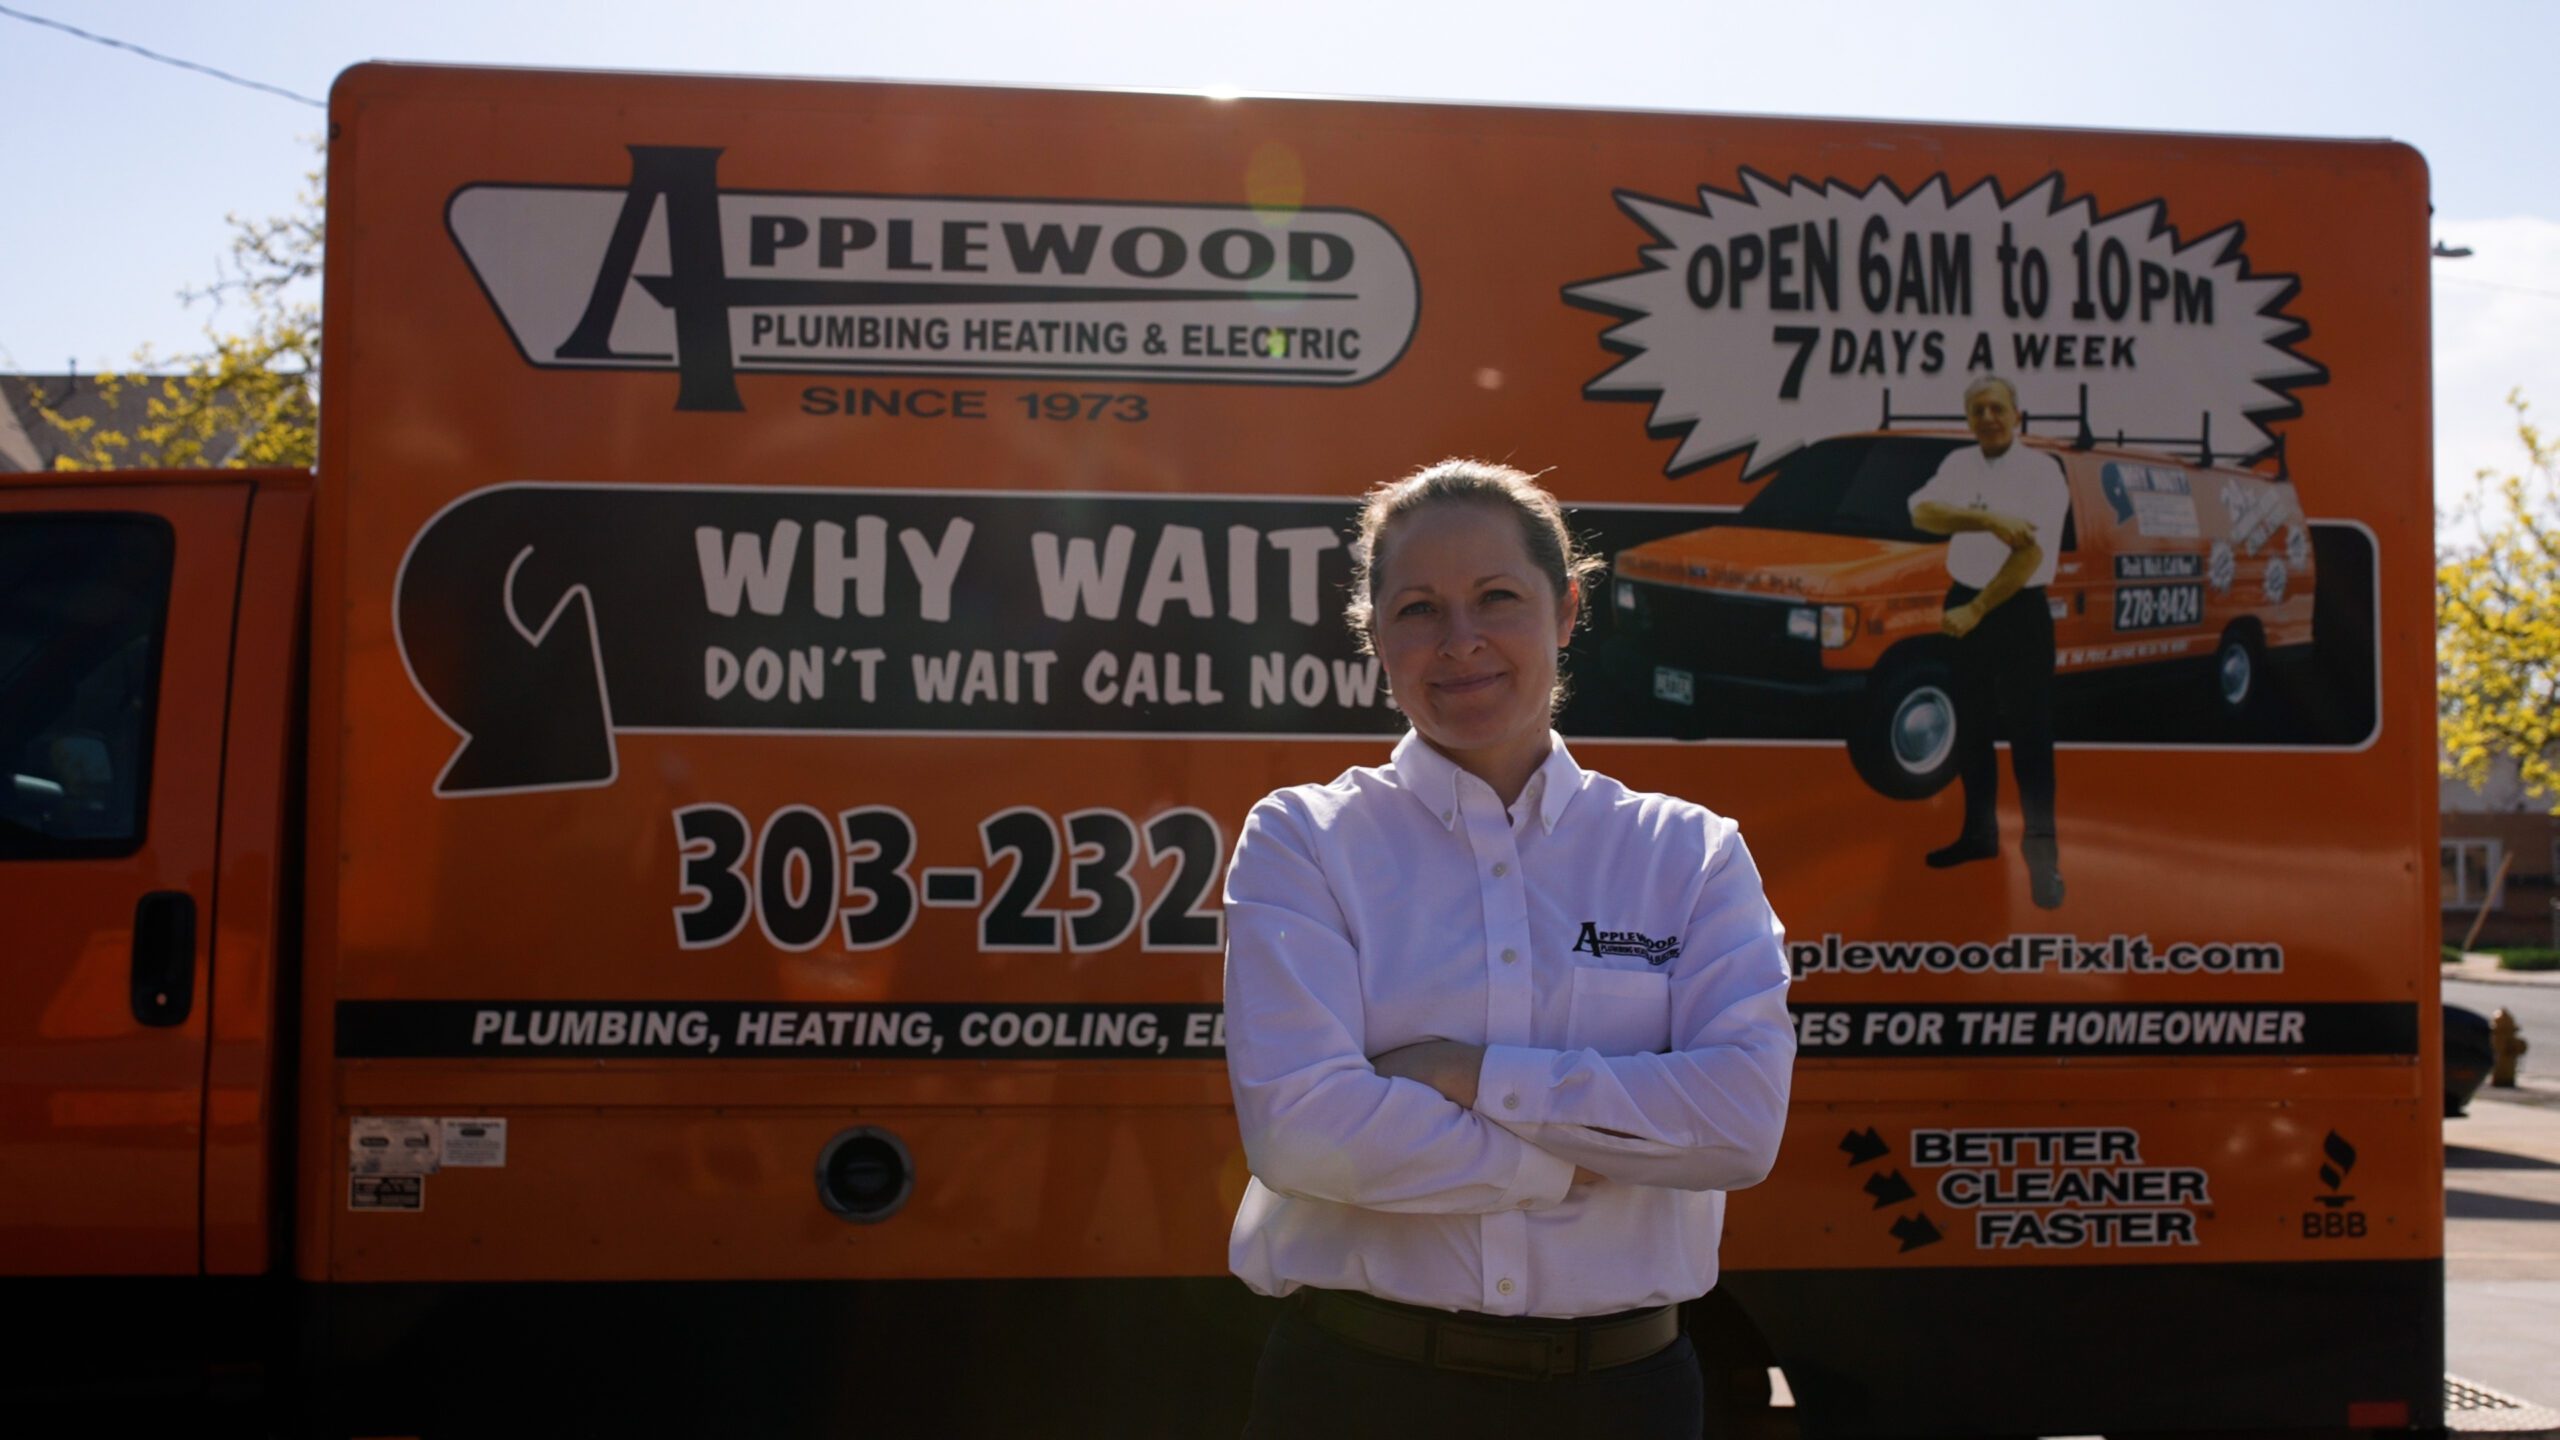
[(2002, 507)]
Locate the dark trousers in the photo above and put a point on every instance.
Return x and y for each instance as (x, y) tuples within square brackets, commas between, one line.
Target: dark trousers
[(2004, 668), (1313, 1385)]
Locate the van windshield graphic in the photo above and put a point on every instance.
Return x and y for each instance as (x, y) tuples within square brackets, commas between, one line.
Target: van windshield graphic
[(1858, 486)]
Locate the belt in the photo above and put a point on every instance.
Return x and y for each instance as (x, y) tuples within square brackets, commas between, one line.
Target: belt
[(1524, 1347)]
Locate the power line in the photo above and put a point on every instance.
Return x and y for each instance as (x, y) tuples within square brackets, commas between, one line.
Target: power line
[(116, 44), (2497, 285)]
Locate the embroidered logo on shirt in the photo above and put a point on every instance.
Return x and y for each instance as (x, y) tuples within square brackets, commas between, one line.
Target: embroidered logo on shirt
[(1627, 942)]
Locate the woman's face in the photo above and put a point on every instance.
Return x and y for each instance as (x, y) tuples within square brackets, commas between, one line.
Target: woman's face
[(1468, 630)]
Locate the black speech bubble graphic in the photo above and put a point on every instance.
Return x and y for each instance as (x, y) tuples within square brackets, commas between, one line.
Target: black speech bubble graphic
[(542, 619)]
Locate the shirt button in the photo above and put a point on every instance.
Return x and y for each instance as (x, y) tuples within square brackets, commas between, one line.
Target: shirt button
[(1510, 1102), (1504, 1285), (1510, 956), (1500, 869)]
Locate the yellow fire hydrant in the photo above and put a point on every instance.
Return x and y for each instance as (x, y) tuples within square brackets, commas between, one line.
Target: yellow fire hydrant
[(2506, 1047)]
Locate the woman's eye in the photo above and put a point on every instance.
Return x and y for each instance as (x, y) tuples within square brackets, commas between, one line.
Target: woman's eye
[(1499, 593), (1413, 607)]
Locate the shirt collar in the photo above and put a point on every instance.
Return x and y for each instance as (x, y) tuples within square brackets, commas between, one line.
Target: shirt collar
[(1432, 778)]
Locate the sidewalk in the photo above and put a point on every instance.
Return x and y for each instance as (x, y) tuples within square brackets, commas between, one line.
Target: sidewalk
[(2483, 970), (2502, 1249)]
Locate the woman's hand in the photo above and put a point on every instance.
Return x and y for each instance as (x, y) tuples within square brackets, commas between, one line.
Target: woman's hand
[(1451, 1067)]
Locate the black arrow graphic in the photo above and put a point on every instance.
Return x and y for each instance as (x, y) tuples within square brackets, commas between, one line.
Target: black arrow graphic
[(516, 666), (1889, 1188), (1863, 1146), (1915, 1231), (540, 619)]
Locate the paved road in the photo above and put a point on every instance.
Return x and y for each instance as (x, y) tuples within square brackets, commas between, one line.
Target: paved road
[(2536, 1008), (2502, 1234)]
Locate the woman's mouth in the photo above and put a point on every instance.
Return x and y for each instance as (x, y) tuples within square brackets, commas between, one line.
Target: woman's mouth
[(1467, 685)]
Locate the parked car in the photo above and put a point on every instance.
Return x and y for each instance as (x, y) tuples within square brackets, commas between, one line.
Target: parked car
[(1822, 593)]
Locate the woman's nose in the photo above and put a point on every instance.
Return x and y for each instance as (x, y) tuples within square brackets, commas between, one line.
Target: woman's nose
[(1461, 635)]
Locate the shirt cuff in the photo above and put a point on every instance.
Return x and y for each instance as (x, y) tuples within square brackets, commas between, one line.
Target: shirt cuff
[(1541, 1181), (1512, 1086)]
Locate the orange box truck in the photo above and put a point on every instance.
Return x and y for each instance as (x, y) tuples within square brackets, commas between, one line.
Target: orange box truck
[(673, 887)]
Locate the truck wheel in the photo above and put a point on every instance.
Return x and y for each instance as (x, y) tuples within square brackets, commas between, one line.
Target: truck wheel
[(1903, 739), (2239, 671)]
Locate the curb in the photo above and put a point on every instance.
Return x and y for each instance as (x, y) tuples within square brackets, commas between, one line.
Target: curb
[(2528, 1090), (2491, 975)]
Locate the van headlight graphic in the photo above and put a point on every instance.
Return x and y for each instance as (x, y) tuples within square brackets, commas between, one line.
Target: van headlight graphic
[(1832, 625)]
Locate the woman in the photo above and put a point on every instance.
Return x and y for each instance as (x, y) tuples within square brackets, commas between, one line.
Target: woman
[(1500, 1030)]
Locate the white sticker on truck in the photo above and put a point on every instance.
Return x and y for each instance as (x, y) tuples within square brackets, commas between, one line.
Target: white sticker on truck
[(475, 1141), (392, 1145), (387, 1192)]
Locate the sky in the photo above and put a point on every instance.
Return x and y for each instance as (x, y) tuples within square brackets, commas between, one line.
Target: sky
[(121, 171)]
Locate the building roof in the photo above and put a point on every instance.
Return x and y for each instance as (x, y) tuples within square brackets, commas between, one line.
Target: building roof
[(28, 441), (2502, 794)]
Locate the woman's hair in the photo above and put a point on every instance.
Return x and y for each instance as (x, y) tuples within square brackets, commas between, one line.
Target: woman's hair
[(1552, 548)]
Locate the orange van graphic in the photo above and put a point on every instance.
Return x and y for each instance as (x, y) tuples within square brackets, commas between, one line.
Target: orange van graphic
[(1822, 593)]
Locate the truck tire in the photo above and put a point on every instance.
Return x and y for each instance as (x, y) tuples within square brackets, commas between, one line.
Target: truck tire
[(2239, 671), (1902, 734)]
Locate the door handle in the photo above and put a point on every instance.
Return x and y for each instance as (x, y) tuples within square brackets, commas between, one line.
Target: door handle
[(164, 957)]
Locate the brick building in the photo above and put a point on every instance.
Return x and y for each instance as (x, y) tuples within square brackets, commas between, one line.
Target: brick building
[(2500, 846)]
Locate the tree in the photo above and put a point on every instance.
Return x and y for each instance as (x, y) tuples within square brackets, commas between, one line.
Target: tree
[(2498, 627), (253, 397)]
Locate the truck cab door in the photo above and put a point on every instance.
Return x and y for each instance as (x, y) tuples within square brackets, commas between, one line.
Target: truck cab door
[(116, 603)]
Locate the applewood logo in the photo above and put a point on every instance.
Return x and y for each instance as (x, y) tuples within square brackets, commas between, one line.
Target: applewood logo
[(672, 272), (1596, 941)]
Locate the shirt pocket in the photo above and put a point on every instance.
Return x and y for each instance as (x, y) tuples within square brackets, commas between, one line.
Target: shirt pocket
[(1619, 1012)]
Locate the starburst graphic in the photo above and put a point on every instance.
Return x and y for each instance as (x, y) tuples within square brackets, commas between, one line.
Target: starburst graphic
[(1763, 320)]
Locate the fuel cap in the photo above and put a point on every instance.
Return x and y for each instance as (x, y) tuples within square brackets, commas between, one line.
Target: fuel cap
[(865, 1174)]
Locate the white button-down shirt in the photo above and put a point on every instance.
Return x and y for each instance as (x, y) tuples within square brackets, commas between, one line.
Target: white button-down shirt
[(2023, 482), (1612, 951)]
